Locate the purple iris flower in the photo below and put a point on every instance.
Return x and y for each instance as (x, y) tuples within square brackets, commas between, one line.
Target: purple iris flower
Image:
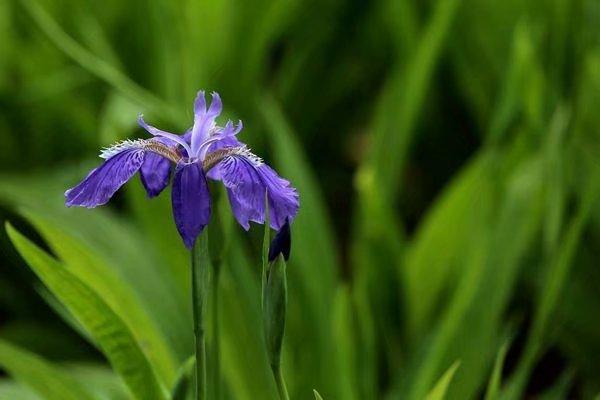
[(205, 151)]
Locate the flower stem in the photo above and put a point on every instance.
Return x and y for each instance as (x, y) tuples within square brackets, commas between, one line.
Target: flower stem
[(216, 344), (281, 388), (200, 285)]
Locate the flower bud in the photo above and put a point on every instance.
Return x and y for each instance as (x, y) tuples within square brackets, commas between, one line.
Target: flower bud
[(281, 243), (275, 295)]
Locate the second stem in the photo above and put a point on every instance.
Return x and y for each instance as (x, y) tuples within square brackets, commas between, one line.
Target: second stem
[(200, 286)]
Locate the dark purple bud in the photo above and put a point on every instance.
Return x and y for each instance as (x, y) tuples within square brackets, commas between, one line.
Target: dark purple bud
[(281, 243)]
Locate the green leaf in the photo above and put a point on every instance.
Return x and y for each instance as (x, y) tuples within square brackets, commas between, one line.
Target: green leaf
[(317, 395), (560, 389), (555, 280), (439, 390), (426, 271), (184, 383), (11, 390), (490, 266), (96, 65), (314, 268), (120, 246), (493, 388), (93, 270), (47, 380), (401, 102), (313, 233), (105, 327), (243, 347), (343, 329)]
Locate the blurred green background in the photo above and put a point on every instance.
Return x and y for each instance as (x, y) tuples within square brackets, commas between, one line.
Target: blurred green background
[(447, 158)]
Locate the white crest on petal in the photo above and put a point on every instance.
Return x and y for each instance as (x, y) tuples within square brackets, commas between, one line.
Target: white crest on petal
[(121, 146), (216, 156), (244, 151)]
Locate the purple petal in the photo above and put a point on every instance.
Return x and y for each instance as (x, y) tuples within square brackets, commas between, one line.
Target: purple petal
[(156, 170), (283, 198), (247, 184), (204, 119), (100, 184), (155, 173), (191, 201), (163, 134)]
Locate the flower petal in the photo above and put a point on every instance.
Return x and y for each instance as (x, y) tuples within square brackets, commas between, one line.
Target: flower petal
[(155, 173), (163, 134), (191, 201), (100, 184), (247, 184), (204, 120), (283, 198)]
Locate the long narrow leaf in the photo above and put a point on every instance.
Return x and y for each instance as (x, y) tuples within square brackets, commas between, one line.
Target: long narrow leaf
[(106, 328)]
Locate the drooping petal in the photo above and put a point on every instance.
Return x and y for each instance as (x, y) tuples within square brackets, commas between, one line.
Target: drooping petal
[(204, 120), (191, 201), (163, 134), (283, 198), (156, 170), (100, 184), (247, 182), (155, 173)]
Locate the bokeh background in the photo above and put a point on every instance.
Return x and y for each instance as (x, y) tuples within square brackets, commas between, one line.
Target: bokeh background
[(447, 155)]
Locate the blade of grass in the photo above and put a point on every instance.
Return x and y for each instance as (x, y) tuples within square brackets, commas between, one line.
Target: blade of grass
[(493, 388), (441, 387)]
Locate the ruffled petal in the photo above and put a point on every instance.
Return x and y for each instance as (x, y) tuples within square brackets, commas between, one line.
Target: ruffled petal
[(204, 119), (247, 183), (100, 184), (191, 201), (283, 198)]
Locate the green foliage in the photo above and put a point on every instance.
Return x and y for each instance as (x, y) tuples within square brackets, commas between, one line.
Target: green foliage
[(446, 156), (439, 390), (47, 380), (96, 316)]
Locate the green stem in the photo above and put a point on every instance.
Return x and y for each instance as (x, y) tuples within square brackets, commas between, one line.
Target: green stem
[(281, 388), (200, 284), (216, 361)]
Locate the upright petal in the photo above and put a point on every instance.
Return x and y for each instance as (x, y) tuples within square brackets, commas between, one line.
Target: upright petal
[(100, 184), (204, 120), (247, 182), (230, 130), (173, 137), (191, 201)]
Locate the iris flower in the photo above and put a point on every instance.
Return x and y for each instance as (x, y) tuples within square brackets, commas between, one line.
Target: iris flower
[(205, 151)]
